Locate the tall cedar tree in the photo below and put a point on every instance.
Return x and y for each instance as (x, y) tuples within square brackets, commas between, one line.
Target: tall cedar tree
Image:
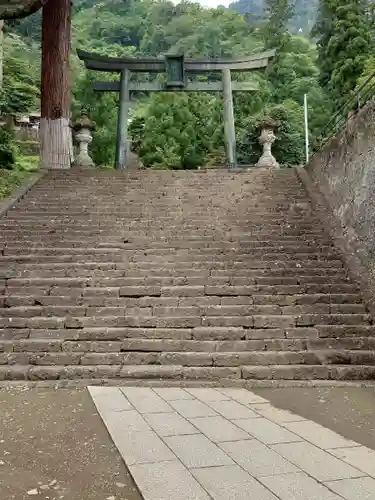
[(344, 44), (279, 13)]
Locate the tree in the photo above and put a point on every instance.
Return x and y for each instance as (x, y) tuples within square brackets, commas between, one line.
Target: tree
[(279, 13), (20, 91), (55, 134), (344, 43), (178, 131)]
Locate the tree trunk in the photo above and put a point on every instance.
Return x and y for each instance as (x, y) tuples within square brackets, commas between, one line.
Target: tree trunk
[(55, 133), (1, 53)]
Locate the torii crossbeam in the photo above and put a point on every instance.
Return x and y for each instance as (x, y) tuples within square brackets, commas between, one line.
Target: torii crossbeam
[(178, 69)]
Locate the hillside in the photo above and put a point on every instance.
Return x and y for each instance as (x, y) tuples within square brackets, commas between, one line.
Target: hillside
[(305, 13)]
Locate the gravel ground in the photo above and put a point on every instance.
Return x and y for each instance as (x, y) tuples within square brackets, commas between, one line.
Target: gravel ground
[(53, 446), (348, 411)]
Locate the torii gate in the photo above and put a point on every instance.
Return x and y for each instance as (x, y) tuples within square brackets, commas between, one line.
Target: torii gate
[(177, 69)]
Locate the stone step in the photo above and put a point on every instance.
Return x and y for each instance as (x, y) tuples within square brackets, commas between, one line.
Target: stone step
[(179, 275), (187, 318), (110, 297), (162, 228), (317, 335), (117, 269), (75, 289), (175, 372), (229, 247), (185, 359), (184, 269), (160, 269), (116, 278), (181, 341), (202, 246), (168, 247), (200, 308), (82, 287), (155, 232)]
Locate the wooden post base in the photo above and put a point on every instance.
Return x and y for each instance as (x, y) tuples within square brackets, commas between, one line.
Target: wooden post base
[(56, 144)]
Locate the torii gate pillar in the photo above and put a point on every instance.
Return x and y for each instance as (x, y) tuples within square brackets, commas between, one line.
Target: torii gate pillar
[(55, 133)]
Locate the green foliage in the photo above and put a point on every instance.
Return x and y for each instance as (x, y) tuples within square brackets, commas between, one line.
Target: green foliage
[(288, 148), (28, 147), (344, 43), (177, 130), (8, 148), (27, 163), (278, 13), (20, 90), (10, 180)]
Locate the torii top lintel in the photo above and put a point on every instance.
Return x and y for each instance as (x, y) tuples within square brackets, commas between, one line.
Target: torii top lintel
[(156, 65)]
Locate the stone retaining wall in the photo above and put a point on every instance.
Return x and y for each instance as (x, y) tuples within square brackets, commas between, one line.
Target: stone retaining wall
[(344, 173)]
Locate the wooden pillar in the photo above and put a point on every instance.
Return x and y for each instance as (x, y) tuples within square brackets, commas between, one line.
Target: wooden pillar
[(122, 122), (229, 130), (55, 133)]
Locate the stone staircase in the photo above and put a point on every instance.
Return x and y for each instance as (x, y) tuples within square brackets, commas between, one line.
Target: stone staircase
[(176, 275)]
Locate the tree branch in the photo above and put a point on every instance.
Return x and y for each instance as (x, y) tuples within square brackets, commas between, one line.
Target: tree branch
[(20, 8)]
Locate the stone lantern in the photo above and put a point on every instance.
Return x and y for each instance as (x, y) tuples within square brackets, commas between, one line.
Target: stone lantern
[(83, 127), (267, 138)]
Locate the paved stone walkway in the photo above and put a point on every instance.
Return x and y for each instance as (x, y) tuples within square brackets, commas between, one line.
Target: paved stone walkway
[(229, 444)]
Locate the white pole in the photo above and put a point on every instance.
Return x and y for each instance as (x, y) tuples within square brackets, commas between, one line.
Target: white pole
[(306, 129)]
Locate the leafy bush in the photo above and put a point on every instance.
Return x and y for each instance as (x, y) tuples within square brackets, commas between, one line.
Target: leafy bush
[(10, 180), (23, 167), (8, 148)]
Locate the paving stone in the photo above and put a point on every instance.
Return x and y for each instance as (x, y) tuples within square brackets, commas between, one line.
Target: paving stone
[(320, 436), (298, 487), (232, 410), (219, 429), (167, 481), (109, 399), (169, 424), (192, 408), (266, 431), (197, 451), (142, 447), (146, 400), (243, 396), (362, 488), (361, 457), (207, 395), (173, 393), (123, 424), (257, 459), (231, 483), (275, 414), (316, 462)]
